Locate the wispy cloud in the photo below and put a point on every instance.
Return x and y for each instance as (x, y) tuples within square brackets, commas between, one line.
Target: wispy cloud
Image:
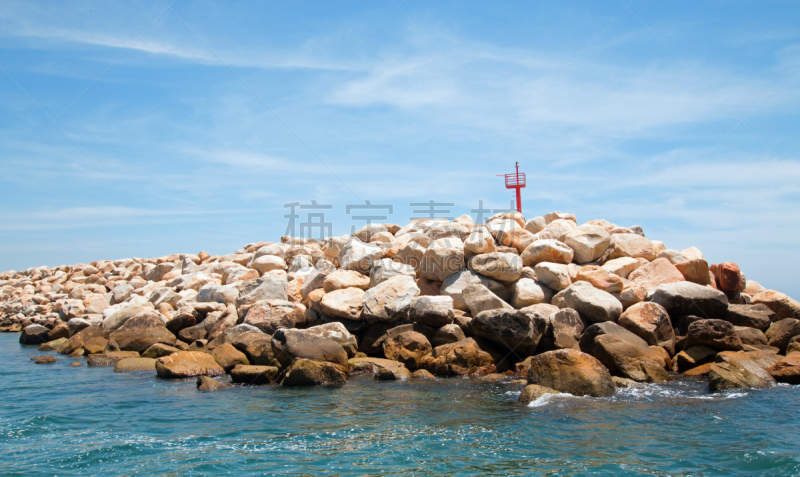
[(422, 110), (103, 216), (48, 32)]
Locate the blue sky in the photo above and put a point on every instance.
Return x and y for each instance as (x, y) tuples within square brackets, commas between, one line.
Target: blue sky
[(187, 126)]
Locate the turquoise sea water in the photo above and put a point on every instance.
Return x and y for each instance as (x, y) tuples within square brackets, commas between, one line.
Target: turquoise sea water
[(57, 420)]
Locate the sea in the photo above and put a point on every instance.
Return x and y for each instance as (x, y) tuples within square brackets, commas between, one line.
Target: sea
[(62, 420)]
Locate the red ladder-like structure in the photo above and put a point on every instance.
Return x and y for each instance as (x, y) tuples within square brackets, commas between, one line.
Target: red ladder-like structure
[(515, 181)]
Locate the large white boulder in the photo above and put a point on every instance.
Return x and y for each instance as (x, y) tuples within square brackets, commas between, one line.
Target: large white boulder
[(593, 304), (589, 242), (546, 250), (389, 301), (359, 256), (443, 258), (504, 267), (553, 275)]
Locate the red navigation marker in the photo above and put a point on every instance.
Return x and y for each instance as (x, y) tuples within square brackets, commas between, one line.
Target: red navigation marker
[(515, 181)]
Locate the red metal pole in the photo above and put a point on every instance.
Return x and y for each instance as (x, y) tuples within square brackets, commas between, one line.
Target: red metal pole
[(519, 194)]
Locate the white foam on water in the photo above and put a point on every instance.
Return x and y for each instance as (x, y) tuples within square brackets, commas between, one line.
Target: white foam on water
[(663, 391), (735, 395), (648, 391), (547, 398)]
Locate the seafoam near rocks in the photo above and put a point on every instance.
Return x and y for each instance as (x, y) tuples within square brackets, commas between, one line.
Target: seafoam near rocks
[(568, 306)]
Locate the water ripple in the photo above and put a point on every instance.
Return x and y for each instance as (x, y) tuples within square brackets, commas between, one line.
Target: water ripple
[(77, 421)]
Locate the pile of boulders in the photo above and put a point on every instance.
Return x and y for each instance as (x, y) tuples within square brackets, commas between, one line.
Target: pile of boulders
[(580, 309)]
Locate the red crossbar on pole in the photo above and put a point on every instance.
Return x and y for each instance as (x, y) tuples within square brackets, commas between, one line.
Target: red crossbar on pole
[(516, 181)]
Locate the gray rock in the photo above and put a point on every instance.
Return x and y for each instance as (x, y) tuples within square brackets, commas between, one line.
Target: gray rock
[(454, 285), (337, 332), (121, 292), (435, 311), (565, 330), (757, 316), (717, 334), (623, 353), (288, 344), (448, 334), (386, 268), (389, 300), (751, 336), (687, 298), (316, 278), (479, 298), (77, 324), (270, 315), (737, 372), (512, 330), (266, 288), (587, 341), (122, 315), (226, 294), (593, 304), (34, 335)]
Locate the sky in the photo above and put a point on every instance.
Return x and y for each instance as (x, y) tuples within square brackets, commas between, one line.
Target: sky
[(141, 129)]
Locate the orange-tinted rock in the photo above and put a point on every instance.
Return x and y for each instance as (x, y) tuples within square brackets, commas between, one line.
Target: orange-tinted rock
[(734, 371), (782, 305), (571, 371), (728, 276), (460, 358), (229, 357), (304, 372), (185, 364), (781, 332), (787, 370), (601, 278), (655, 273), (701, 370), (650, 321), (408, 348), (141, 332)]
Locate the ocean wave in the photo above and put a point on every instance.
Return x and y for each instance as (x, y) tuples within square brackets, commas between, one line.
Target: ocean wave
[(548, 398), (674, 391)]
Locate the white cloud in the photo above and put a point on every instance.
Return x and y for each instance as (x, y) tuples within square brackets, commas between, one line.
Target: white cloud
[(628, 138), (48, 31), (104, 216)]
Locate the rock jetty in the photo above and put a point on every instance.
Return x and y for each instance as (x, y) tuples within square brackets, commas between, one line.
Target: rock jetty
[(567, 308)]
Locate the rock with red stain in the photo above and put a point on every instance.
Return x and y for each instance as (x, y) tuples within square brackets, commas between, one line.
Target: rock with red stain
[(728, 276)]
